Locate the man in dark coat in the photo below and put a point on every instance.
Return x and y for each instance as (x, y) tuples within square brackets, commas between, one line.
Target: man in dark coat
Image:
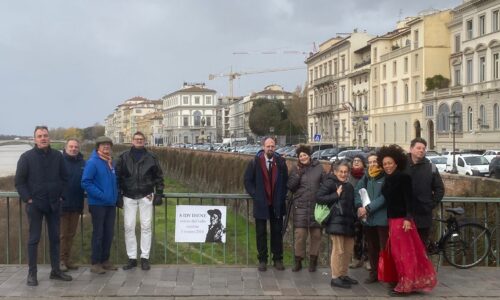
[(40, 180), (72, 205), (428, 187), (265, 180)]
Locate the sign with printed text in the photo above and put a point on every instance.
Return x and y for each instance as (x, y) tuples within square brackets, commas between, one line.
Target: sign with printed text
[(200, 224)]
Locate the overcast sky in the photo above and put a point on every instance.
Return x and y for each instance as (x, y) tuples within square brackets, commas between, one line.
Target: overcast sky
[(70, 63)]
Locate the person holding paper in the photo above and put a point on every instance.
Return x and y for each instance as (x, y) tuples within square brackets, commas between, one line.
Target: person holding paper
[(359, 256), (373, 212)]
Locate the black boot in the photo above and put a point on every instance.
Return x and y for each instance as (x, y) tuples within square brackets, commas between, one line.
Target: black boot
[(32, 281), (298, 264), (132, 263), (59, 275), (313, 263), (145, 264)]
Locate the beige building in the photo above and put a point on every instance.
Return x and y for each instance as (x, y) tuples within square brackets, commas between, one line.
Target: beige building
[(152, 126), (401, 61), (474, 95), (190, 115), (330, 93)]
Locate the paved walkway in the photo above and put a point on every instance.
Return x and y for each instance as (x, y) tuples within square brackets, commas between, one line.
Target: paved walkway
[(214, 282)]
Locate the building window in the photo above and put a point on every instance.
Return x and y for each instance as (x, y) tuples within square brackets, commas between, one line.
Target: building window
[(185, 121), (443, 124), (457, 76), (384, 70), (469, 119), (407, 96), (311, 76), (469, 71), (482, 116), (496, 116), (495, 66), (456, 108), (457, 43), (468, 29), (482, 24), (415, 39), (494, 21), (405, 67), (384, 95), (482, 69), (394, 95), (208, 121), (384, 134), (375, 134), (197, 100), (330, 67), (375, 104), (185, 100), (343, 63), (394, 69), (375, 54), (429, 111), (208, 100), (342, 88), (375, 73), (335, 67), (197, 118), (416, 62), (416, 91)]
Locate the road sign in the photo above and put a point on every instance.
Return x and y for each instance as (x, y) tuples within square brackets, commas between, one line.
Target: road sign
[(317, 137)]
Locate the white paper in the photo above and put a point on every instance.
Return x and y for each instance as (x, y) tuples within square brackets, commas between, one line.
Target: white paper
[(365, 199)]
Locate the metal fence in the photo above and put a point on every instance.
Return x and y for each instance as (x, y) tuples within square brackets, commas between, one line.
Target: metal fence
[(239, 248)]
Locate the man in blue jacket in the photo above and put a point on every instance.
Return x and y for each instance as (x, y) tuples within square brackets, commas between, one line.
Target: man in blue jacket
[(72, 205), (265, 180), (99, 181), (40, 180)]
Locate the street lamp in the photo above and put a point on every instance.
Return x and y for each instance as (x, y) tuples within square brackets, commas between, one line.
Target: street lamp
[(453, 118), (336, 126)]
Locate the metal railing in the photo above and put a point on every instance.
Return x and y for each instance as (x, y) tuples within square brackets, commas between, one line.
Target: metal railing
[(239, 248)]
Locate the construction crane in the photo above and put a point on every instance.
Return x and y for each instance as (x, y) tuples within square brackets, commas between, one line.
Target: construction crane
[(235, 75)]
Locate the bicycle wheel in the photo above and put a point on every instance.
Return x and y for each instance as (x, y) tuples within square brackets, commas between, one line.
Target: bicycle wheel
[(466, 246)]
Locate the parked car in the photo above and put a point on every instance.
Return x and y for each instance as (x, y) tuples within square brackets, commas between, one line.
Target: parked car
[(317, 154), (349, 154), (328, 153), (494, 168), (469, 164), (431, 153), (490, 154), (440, 162)]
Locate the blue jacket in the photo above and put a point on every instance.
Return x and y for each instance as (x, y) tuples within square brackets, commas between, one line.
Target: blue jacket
[(377, 209), (99, 181), (73, 193), (254, 185)]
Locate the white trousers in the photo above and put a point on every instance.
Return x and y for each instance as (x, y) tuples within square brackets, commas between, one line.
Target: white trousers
[(130, 206)]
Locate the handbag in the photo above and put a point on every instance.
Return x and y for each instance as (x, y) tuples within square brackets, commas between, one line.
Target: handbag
[(386, 267), (321, 212)]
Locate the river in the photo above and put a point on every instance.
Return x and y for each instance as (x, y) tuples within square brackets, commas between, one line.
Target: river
[(9, 155)]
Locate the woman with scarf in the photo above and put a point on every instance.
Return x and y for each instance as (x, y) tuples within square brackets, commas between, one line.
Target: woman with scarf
[(303, 182), (359, 256), (336, 192), (415, 271), (373, 215)]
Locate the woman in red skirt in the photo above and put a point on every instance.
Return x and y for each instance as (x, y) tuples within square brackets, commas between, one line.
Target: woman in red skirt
[(415, 271)]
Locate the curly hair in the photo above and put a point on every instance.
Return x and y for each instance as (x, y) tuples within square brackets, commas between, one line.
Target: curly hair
[(395, 152)]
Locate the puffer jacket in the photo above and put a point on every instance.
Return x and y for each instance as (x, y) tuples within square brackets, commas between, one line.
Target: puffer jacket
[(73, 193), (304, 185), (377, 209), (99, 181), (342, 218)]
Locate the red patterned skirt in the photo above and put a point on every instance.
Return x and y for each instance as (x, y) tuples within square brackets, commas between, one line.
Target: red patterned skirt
[(414, 268)]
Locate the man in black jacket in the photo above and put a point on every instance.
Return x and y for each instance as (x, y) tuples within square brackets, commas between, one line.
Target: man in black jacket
[(428, 187), (72, 205), (40, 180), (140, 179)]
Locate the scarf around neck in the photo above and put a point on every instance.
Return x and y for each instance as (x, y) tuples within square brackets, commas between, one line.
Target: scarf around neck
[(107, 158), (374, 171), (357, 172)]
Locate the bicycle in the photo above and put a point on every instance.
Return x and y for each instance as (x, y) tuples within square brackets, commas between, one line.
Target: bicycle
[(463, 244)]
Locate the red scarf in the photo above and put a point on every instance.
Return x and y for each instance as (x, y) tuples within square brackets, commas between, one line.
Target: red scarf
[(357, 172), (267, 183), (107, 158)]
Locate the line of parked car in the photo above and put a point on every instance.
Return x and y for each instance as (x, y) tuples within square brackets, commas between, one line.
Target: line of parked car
[(472, 164)]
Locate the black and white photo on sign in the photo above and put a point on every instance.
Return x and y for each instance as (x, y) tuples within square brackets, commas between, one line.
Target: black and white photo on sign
[(200, 224)]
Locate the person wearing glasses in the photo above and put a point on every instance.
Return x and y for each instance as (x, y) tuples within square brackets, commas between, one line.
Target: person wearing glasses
[(40, 180), (140, 180), (359, 256)]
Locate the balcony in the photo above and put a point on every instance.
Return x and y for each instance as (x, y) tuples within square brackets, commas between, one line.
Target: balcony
[(362, 64), (395, 53), (453, 91), (324, 80)]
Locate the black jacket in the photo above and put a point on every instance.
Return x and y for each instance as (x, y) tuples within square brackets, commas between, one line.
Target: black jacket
[(73, 193), (428, 190), (137, 179), (343, 215), (41, 176), (397, 191)]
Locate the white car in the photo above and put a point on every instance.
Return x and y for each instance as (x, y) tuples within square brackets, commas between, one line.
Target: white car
[(439, 161), (469, 164), (490, 154)]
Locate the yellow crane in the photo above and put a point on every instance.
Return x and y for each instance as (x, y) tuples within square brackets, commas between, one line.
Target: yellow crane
[(234, 75)]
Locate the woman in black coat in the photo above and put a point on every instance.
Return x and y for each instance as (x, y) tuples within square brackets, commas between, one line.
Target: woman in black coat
[(303, 182), (338, 194)]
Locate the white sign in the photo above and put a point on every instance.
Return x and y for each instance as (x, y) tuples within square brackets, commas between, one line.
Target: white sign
[(200, 224)]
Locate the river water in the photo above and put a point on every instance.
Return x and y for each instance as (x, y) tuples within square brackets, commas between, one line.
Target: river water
[(9, 155)]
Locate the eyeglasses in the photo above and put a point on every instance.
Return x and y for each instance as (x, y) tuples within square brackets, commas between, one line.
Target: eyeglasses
[(357, 160), (139, 139)]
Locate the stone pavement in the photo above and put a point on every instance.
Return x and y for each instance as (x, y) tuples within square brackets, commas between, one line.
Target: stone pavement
[(222, 282)]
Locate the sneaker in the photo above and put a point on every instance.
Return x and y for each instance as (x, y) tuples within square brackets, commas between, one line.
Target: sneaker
[(262, 266), (59, 275), (278, 265), (63, 267), (132, 263), (107, 265), (337, 282), (348, 279), (145, 264), (368, 266), (97, 269)]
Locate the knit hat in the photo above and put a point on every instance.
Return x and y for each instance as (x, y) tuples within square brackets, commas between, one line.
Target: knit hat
[(303, 148), (102, 140)]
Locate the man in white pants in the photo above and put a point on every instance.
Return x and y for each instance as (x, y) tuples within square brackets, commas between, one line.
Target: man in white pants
[(140, 179)]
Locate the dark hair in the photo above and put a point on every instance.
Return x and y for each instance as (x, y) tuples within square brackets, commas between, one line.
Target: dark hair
[(139, 133), (371, 153), (303, 149), (395, 152), (418, 140), (362, 158), (339, 163), (40, 127)]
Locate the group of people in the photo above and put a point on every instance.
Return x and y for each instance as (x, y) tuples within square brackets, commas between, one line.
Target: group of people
[(403, 189), (53, 184)]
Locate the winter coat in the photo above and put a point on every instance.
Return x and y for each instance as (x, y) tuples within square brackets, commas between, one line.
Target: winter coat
[(397, 191), (428, 190), (137, 179), (73, 194), (41, 177), (254, 185), (304, 185), (377, 209), (343, 215), (99, 181)]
